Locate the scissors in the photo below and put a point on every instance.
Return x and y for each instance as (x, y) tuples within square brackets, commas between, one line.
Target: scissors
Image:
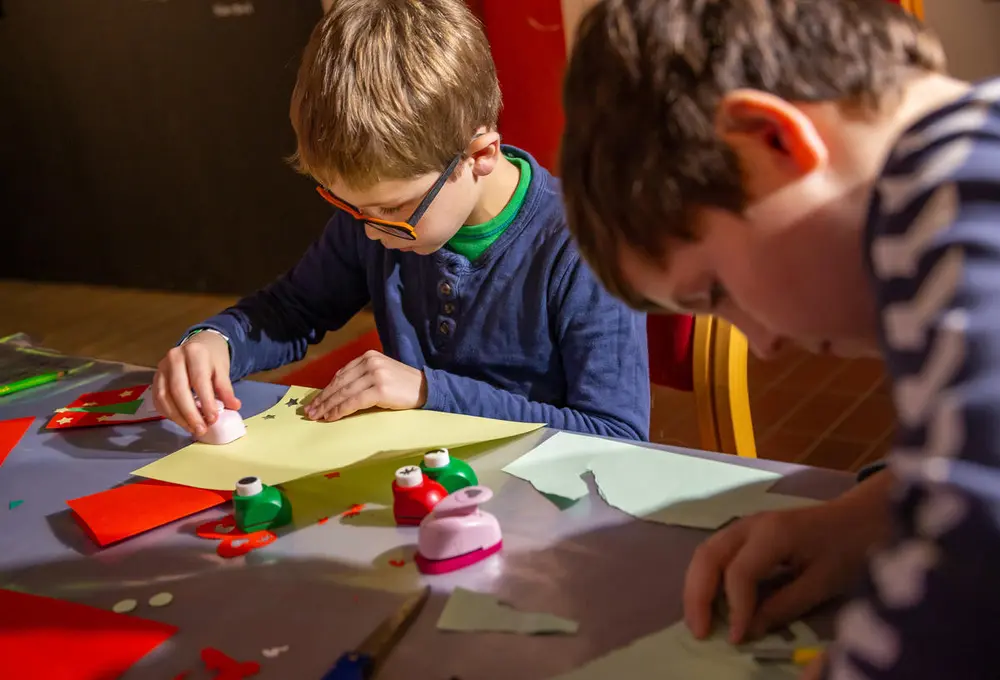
[(363, 662)]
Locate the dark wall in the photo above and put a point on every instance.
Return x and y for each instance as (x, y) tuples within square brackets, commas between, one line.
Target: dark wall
[(142, 142)]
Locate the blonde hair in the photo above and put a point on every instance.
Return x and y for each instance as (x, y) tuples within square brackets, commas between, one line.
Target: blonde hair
[(391, 89)]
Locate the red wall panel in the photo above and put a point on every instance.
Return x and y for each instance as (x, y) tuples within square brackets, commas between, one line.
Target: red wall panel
[(529, 49)]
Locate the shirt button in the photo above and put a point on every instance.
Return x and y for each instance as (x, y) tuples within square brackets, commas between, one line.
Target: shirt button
[(449, 308), (445, 288), (444, 328)]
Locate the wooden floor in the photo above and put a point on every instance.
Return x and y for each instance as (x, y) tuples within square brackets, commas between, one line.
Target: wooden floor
[(814, 410)]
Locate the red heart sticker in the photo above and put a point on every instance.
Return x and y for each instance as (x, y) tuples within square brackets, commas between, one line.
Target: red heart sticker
[(397, 563), (332, 475), (353, 511)]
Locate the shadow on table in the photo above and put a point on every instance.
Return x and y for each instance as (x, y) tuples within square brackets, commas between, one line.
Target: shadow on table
[(620, 581)]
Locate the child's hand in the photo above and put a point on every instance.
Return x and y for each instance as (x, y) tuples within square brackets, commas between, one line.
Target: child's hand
[(825, 546), (202, 364), (371, 380)]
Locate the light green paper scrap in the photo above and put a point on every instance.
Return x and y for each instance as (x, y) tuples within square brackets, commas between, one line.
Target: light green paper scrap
[(469, 611), (675, 654), (670, 488), (652, 484), (556, 465)]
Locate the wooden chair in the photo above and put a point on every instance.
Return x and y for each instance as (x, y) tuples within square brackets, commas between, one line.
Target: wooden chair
[(707, 357)]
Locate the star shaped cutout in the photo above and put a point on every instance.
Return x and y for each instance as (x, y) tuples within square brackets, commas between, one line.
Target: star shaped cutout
[(292, 402), (89, 403), (104, 418), (125, 393), (64, 421), (269, 416)]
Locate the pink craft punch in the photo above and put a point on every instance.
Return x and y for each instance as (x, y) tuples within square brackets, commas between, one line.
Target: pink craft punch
[(227, 428), (457, 534)]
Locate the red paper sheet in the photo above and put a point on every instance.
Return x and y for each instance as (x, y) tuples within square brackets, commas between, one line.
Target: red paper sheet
[(125, 511), (41, 637), (11, 432)]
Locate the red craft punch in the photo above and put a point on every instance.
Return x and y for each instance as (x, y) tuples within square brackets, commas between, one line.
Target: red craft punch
[(414, 495), (457, 534)]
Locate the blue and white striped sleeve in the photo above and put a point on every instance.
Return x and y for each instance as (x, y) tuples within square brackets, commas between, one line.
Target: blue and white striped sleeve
[(929, 607)]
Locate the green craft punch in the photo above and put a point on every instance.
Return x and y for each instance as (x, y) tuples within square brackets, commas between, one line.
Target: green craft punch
[(257, 507), (451, 473)]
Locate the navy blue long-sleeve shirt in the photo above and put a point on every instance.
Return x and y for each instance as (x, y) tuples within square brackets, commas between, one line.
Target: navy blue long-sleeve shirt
[(523, 333), (930, 603)]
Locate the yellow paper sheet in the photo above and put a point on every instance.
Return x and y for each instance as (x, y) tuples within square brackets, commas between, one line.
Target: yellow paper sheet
[(281, 444)]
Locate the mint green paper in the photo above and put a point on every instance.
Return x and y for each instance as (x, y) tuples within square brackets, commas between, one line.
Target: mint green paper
[(469, 611), (556, 465), (674, 654), (652, 484)]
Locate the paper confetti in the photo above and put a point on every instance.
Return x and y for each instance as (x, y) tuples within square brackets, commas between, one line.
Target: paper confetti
[(161, 600), (125, 606), (14, 504), (273, 652)]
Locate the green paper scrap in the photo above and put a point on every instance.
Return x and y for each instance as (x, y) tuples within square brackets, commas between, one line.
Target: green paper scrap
[(555, 466), (675, 654), (680, 490), (469, 611), (14, 504), (652, 484)]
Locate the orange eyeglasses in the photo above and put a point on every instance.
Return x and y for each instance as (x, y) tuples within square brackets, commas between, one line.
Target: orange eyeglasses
[(404, 230)]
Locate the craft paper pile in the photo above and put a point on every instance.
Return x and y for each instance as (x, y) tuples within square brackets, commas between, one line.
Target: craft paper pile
[(281, 444), (131, 509), (41, 637), (651, 484)]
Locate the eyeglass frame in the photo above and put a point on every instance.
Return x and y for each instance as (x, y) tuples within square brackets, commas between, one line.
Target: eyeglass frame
[(407, 229)]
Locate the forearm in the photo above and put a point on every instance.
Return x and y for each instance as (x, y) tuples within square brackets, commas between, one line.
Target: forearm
[(459, 394), (260, 336)]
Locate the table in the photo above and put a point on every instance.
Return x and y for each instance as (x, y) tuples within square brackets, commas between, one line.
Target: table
[(619, 577)]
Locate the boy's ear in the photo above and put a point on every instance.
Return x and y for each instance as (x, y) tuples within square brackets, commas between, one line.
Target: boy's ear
[(770, 134), (484, 152)]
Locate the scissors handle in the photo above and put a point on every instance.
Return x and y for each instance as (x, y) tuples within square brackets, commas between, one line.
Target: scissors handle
[(351, 666)]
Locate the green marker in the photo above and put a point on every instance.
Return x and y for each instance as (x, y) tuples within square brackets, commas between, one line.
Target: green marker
[(28, 383), (451, 473), (257, 506)]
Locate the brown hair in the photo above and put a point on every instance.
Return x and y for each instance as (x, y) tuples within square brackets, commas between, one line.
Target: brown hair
[(391, 89), (639, 151)]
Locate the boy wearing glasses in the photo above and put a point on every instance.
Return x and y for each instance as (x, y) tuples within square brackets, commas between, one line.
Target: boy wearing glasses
[(482, 303)]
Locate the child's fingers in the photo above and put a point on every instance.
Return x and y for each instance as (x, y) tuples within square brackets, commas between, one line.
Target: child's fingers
[(790, 602), (340, 396), (704, 576), (345, 376), (164, 402), (200, 375), (758, 557), (224, 390), (366, 398), (180, 392)]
